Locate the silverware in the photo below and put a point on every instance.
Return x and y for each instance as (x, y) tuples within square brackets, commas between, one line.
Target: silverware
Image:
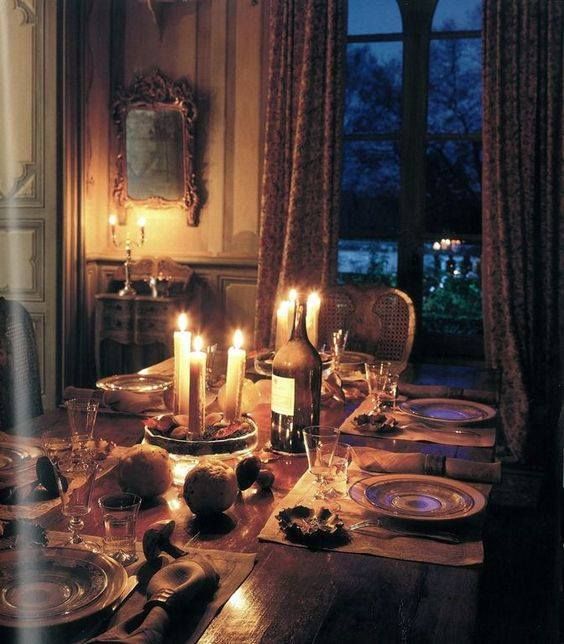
[(442, 536), (425, 427)]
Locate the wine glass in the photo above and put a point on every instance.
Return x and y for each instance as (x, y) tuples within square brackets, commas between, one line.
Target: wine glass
[(338, 345), (377, 377), (82, 418), (75, 480), (320, 444)]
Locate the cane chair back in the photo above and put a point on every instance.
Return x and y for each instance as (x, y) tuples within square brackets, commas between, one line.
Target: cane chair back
[(380, 320), (20, 386)]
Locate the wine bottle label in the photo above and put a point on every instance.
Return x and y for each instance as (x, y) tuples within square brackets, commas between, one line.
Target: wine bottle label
[(283, 395)]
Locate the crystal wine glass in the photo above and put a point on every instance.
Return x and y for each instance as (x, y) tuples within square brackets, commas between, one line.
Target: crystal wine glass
[(377, 377), (75, 480), (338, 345), (320, 444), (82, 418)]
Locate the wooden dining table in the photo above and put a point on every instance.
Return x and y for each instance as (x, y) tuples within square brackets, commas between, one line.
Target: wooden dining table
[(295, 594)]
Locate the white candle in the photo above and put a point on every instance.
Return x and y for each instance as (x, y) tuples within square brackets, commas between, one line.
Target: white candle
[(112, 220), (197, 404), (182, 366), (282, 328), (312, 317), (236, 358)]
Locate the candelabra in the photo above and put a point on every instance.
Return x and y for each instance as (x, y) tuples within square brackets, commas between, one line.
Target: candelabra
[(128, 244)]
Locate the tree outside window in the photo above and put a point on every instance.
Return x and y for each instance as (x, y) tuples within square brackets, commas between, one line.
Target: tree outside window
[(411, 182)]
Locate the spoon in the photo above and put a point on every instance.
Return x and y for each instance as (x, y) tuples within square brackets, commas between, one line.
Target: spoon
[(443, 537)]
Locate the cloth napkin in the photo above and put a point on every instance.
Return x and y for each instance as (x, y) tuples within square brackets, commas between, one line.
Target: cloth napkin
[(379, 460), (442, 391), (178, 585), (122, 401)]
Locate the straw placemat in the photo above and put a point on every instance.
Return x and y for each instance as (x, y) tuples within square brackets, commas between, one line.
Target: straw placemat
[(381, 542), (485, 435)]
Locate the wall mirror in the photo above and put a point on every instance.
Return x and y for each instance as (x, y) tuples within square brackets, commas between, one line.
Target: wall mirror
[(154, 119)]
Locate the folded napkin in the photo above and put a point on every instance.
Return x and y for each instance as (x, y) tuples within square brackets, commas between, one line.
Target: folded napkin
[(379, 460), (172, 590), (442, 391), (127, 402)]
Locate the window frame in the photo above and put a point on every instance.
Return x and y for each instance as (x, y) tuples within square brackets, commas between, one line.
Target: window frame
[(413, 138)]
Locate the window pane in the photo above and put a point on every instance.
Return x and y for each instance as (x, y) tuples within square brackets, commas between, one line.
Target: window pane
[(370, 190), (452, 297), (455, 86), (373, 261), (455, 15), (373, 94), (453, 187), (374, 17)]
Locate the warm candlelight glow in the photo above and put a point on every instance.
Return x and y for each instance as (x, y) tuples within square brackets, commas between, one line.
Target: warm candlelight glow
[(312, 317), (198, 343), (182, 322), (293, 296), (197, 404), (113, 220), (238, 339), (141, 222), (236, 360)]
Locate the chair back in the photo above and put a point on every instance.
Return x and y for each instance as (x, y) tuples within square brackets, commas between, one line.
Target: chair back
[(380, 319), (20, 386)]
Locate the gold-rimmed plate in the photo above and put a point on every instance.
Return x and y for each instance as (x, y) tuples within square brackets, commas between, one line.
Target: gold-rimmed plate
[(56, 586), (416, 497), (135, 383), (448, 410), (16, 459)]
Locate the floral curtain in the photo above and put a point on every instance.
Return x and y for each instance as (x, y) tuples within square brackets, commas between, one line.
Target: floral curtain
[(522, 236), (300, 189)]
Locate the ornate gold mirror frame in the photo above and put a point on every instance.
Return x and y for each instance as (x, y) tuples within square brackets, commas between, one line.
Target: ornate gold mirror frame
[(154, 119)]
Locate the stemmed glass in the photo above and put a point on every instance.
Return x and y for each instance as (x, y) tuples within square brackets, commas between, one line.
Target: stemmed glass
[(338, 345), (82, 418), (75, 480), (377, 377), (320, 444)]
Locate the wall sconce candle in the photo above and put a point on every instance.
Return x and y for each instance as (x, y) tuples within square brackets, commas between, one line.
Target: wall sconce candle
[(282, 328)]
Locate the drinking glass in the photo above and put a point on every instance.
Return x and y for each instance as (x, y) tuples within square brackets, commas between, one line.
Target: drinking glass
[(82, 418), (338, 477), (389, 395), (338, 345), (75, 480), (55, 446), (119, 513), (320, 444), (377, 376)]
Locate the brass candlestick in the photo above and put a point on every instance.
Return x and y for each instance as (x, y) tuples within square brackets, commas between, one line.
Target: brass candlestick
[(128, 244)]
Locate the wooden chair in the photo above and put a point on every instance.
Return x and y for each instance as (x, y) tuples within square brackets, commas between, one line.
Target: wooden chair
[(20, 385), (380, 319)]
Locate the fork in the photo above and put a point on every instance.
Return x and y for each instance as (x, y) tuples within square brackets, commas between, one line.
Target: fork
[(442, 536)]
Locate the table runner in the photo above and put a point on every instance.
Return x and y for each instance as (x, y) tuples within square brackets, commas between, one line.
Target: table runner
[(233, 569), (485, 438), (380, 542)]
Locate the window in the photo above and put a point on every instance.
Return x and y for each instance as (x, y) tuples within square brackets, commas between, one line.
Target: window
[(411, 182)]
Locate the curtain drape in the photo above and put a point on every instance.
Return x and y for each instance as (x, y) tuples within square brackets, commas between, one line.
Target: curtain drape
[(301, 176), (522, 234)]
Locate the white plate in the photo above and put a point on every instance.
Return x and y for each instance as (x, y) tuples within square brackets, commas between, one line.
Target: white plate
[(448, 410), (56, 586), (417, 497), (135, 383)]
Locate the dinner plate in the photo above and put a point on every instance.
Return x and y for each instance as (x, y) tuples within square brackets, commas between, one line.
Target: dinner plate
[(135, 383), (16, 459), (448, 410), (56, 586), (417, 497)]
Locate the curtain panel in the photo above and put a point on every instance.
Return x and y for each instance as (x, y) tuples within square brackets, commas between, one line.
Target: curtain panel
[(522, 233), (302, 161)]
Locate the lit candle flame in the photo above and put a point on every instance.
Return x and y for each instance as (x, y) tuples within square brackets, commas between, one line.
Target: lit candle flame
[(293, 295), (182, 322), (238, 339), (141, 222), (313, 299), (113, 220), (198, 343)]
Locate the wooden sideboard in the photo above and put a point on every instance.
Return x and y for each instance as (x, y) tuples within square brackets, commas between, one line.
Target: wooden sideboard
[(142, 325)]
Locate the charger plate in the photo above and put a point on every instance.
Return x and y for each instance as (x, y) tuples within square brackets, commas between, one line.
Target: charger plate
[(53, 586), (417, 497), (448, 410)]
